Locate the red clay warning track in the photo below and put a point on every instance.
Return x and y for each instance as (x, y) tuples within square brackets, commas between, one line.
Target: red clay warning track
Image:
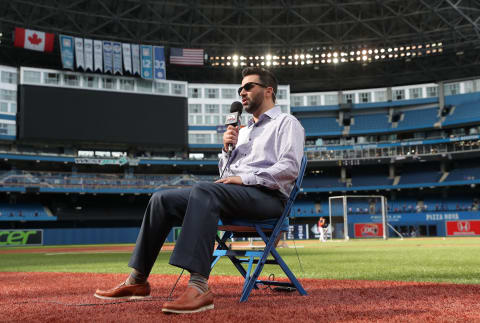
[(35, 297)]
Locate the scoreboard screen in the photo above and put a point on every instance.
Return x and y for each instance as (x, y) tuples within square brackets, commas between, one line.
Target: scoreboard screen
[(78, 115)]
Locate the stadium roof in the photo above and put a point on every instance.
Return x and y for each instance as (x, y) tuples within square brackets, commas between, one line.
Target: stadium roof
[(260, 27)]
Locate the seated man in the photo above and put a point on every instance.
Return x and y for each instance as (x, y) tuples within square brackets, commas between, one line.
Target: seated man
[(258, 178)]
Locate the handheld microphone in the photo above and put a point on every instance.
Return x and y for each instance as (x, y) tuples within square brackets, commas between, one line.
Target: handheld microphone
[(233, 118)]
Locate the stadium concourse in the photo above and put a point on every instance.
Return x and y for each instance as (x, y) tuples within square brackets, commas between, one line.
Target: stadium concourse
[(104, 103)]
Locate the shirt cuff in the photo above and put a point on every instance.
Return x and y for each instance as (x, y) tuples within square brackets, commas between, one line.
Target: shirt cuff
[(248, 179), (224, 153)]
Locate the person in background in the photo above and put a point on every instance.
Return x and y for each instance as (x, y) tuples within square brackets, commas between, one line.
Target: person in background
[(321, 229)]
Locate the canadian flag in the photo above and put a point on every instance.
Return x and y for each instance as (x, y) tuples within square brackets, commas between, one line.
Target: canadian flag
[(35, 40)]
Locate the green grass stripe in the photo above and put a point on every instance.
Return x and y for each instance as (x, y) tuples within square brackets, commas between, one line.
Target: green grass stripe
[(454, 260)]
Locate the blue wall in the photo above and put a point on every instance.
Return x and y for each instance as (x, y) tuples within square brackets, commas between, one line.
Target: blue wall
[(92, 236)]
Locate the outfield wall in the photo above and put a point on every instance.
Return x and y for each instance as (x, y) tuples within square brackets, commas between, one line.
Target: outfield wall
[(66, 236), (365, 226)]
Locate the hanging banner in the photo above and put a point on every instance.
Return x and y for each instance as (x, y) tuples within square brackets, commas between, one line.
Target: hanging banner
[(98, 55), (88, 52), (147, 62), (135, 59), (79, 58), (34, 39), (159, 63), (117, 58), (66, 51), (107, 57), (127, 58)]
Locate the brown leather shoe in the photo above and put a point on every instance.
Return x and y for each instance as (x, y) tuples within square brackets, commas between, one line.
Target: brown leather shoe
[(191, 301), (123, 291)]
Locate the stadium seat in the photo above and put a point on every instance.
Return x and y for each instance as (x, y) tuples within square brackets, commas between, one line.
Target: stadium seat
[(270, 232)]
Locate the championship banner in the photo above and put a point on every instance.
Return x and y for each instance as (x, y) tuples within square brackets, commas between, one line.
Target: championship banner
[(127, 58), (107, 57), (117, 58), (79, 58), (135, 59), (368, 230), (15, 238), (159, 67), (463, 228), (66, 51), (97, 54), (147, 62), (88, 53)]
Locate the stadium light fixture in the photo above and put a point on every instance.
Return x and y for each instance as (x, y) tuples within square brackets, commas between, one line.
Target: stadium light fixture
[(330, 55)]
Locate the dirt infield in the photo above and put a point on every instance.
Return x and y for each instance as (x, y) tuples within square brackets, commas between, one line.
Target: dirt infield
[(35, 297)]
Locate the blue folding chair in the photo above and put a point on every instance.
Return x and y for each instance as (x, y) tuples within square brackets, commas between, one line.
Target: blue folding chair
[(270, 232)]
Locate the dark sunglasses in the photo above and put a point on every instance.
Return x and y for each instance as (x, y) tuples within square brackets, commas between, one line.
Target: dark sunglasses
[(248, 86)]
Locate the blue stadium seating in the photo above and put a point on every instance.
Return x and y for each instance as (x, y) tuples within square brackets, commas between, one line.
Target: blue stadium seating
[(405, 205), (96, 180), (421, 118), (320, 125), (369, 123), (420, 176), (402, 205), (371, 180), (309, 209), (322, 181), (25, 212), (466, 173), (466, 112)]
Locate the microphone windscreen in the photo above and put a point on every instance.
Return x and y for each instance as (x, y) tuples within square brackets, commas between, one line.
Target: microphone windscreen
[(236, 107)]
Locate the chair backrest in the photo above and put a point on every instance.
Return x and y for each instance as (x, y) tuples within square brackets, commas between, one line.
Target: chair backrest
[(283, 220), (296, 187)]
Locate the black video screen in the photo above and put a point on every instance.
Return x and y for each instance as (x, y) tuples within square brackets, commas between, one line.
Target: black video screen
[(79, 115)]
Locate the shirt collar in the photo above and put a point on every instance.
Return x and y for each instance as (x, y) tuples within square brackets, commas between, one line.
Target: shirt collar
[(272, 114)]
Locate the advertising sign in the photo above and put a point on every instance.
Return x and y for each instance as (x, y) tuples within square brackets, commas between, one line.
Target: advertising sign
[(297, 232), (463, 228), (17, 238), (368, 230)]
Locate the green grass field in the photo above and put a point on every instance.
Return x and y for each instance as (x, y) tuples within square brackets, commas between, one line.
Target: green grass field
[(454, 260)]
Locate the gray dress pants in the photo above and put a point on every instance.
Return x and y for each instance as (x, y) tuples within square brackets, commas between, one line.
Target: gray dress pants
[(197, 210)]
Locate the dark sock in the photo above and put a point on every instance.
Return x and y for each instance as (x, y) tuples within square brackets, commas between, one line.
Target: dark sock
[(136, 277), (199, 282)]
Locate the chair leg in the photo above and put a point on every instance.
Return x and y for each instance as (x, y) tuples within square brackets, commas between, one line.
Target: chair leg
[(233, 259), (258, 269), (288, 272), (282, 264), (247, 276)]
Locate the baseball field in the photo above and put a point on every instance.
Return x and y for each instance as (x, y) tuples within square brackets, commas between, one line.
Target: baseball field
[(432, 279)]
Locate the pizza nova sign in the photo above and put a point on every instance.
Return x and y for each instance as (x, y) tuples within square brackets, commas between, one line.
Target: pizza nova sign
[(21, 238)]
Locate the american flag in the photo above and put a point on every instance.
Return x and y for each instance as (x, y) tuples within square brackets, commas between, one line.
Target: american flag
[(186, 56)]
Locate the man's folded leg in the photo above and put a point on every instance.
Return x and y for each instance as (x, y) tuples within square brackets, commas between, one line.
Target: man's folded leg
[(165, 209), (194, 248)]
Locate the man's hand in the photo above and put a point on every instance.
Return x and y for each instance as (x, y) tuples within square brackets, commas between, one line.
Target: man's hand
[(230, 137), (231, 180)]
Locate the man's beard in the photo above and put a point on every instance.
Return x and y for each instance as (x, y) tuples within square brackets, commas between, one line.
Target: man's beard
[(255, 103)]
